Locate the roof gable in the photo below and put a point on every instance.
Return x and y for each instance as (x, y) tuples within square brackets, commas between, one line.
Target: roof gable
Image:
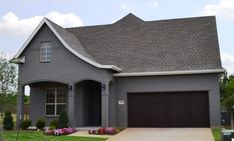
[(69, 40)]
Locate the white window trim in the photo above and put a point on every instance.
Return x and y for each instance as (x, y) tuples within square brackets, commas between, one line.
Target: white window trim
[(47, 55), (55, 103)]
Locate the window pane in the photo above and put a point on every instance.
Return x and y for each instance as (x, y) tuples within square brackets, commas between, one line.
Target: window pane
[(50, 95), (61, 91), (50, 98), (61, 98), (46, 51), (61, 108), (50, 109)]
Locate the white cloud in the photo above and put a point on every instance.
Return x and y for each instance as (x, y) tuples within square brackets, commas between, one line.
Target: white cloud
[(12, 24), (127, 7), (228, 62), (152, 3), (225, 8)]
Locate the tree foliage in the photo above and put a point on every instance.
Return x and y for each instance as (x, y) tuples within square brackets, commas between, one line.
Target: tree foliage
[(8, 86), (227, 95), (226, 87)]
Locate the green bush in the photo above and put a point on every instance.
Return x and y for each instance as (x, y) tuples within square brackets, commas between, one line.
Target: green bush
[(8, 121), (63, 120), (25, 124), (54, 124), (40, 123)]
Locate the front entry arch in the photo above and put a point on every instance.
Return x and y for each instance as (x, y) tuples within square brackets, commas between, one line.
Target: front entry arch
[(88, 103)]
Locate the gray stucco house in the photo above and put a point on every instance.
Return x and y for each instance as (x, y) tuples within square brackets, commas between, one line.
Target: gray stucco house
[(131, 73)]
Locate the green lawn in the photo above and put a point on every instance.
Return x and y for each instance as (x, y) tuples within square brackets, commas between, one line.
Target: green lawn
[(40, 136), (217, 134)]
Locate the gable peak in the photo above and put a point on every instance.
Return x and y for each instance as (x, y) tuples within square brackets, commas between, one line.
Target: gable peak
[(130, 18)]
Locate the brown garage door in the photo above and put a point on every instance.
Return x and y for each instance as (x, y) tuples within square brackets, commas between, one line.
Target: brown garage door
[(171, 109)]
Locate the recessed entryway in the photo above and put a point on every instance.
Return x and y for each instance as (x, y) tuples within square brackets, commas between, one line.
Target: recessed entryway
[(88, 103), (168, 109)]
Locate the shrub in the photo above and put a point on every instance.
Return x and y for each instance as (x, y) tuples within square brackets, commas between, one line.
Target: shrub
[(54, 124), (25, 124), (8, 121), (63, 120), (40, 123)]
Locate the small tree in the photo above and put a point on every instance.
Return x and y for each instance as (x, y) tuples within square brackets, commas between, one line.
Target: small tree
[(8, 85), (8, 121), (40, 123), (54, 124), (228, 99), (63, 120), (25, 124)]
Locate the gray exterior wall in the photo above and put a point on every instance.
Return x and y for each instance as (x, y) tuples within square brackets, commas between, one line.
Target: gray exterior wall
[(64, 68), (207, 82), (37, 101)]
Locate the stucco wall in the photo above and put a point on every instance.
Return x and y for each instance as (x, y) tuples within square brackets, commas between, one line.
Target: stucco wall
[(37, 101), (208, 82), (65, 68)]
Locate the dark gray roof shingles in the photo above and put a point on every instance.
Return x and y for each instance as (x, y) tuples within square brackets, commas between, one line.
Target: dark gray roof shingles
[(71, 40), (135, 45)]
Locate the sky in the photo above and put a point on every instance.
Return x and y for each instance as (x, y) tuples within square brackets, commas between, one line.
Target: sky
[(18, 18)]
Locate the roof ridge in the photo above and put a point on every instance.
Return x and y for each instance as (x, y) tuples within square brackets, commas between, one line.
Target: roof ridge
[(177, 19)]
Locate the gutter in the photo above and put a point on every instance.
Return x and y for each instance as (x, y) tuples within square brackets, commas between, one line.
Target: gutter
[(169, 73)]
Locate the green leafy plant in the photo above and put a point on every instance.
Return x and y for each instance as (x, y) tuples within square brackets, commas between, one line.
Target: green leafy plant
[(63, 120), (54, 124), (40, 123), (8, 121), (25, 124)]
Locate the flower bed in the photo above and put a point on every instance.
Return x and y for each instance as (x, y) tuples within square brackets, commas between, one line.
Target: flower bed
[(58, 132), (105, 131)]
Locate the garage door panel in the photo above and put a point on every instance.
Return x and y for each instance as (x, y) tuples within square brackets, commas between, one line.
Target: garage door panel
[(197, 114), (177, 115), (157, 115), (138, 114), (174, 109), (199, 98)]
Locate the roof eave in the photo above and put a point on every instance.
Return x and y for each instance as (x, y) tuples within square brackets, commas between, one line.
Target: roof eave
[(162, 73), (115, 68)]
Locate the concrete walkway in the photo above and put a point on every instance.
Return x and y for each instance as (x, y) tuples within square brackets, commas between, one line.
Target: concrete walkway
[(86, 134), (164, 134)]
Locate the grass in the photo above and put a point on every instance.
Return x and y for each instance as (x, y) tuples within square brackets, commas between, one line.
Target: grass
[(217, 134), (40, 136)]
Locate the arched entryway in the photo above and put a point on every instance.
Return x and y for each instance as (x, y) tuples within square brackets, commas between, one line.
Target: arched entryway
[(88, 103)]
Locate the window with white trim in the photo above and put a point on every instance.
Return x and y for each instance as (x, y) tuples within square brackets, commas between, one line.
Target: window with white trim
[(45, 52), (55, 101)]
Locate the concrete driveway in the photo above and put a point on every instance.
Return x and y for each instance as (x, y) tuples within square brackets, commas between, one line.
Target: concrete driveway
[(164, 134)]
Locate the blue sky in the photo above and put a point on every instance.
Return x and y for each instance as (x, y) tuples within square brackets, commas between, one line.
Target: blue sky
[(18, 18)]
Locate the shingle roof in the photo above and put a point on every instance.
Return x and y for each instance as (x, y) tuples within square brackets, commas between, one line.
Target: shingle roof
[(135, 45), (71, 40)]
